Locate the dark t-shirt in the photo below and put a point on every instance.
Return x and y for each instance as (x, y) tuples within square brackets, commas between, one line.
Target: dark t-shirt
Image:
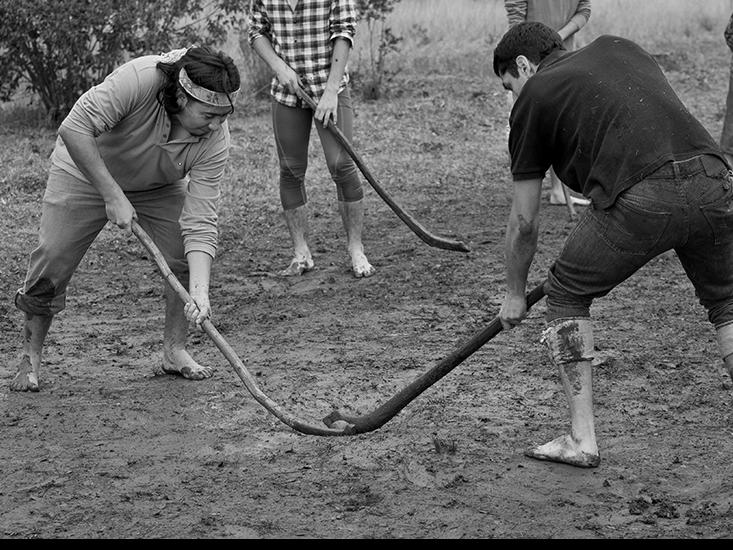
[(604, 117)]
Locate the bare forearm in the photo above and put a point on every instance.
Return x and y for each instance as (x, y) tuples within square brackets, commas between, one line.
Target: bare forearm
[(576, 23), (339, 58), (199, 266), (521, 246), (264, 49), (85, 154)]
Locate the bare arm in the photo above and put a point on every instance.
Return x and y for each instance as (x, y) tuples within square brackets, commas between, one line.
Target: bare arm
[(328, 104), (85, 154), (520, 247), (199, 265), (577, 21), (284, 73)]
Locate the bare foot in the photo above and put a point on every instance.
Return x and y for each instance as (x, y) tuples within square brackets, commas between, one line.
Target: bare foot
[(25, 379), (566, 450), (298, 266), (574, 200), (361, 266), (181, 363)]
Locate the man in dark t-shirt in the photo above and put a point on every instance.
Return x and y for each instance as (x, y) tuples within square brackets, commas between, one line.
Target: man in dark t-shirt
[(606, 119)]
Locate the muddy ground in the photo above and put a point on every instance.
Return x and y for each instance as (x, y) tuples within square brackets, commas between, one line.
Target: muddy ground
[(111, 448)]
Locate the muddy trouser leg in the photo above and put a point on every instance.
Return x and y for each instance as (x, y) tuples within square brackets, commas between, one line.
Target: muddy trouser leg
[(708, 255), (604, 249), (72, 214), (158, 213)]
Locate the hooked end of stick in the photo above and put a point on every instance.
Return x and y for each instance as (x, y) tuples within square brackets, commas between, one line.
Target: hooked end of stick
[(337, 421)]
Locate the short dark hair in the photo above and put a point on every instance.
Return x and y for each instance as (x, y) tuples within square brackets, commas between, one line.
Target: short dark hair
[(532, 39), (206, 67)]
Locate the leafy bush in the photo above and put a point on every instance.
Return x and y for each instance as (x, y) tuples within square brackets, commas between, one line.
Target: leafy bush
[(381, 42), (59, 48)]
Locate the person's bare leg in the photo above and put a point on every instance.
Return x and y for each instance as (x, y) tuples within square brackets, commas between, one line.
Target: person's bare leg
[(297, 221), (35, 330), (579, 448), (176, 360), (352, 215), (558, 192), (725, 342)]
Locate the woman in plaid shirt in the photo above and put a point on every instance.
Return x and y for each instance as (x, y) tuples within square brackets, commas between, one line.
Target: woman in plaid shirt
[(306, 43)]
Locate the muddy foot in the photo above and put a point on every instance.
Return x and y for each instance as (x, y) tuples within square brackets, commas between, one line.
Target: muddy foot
[(565, 450), (26, 379), (298, 266), (361, 266), (182, 364)]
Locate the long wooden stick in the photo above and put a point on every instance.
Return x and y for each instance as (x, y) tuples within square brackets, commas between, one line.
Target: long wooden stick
[(399, 401), (208, 327), (417, 228)]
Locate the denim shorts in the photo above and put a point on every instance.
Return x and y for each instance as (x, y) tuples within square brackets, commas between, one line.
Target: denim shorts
[(72, 215), (685, 206)]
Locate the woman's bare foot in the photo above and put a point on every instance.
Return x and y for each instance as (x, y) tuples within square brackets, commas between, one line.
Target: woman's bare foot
[(181, 363), (361, 266), (566, 450), (298, 266), (26, 379)]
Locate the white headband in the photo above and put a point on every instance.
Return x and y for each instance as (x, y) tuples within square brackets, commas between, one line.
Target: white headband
[(210, 97)]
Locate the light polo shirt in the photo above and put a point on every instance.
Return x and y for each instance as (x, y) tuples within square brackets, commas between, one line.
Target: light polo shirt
[(303, 37), (131, 128)]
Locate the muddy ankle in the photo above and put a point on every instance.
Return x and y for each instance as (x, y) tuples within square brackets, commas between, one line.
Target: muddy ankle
[(360, 266), (566, 450), (26, 378), (298, 266), (181, 364), (25, 381)]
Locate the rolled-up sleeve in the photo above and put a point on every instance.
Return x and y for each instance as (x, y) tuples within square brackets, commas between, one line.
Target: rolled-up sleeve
[(583, 9), (257, 22), (343, 20), (199, 216)]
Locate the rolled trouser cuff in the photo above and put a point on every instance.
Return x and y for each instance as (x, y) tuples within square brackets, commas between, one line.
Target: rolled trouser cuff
[(569, 340), (49, 305)]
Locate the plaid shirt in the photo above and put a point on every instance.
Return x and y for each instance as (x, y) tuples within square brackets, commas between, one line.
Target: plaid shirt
[(303, 38)]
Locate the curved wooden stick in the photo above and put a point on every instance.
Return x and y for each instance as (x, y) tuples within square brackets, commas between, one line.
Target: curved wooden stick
[(412, 223), (389, 409), (230, 354)]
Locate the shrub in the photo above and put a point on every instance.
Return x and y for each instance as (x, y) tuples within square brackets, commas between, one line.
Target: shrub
[(59, 48), (381, 42)]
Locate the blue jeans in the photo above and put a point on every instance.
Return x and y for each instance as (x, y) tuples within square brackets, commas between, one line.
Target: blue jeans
[(684, 206)]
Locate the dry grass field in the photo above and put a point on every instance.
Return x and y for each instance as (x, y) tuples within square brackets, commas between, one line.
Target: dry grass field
[(110, 448)]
